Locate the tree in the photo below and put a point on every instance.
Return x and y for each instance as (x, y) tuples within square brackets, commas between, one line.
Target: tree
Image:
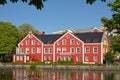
[(25, 28), (115, 44), (9, 37), (113, 23), (109, 57), (39, 3)]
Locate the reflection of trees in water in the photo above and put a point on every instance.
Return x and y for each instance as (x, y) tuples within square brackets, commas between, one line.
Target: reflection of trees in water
[(109, 76), (5, 74), (27, 74)]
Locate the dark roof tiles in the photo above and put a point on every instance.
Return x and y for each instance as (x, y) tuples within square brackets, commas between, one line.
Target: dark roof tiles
[(88, 37)]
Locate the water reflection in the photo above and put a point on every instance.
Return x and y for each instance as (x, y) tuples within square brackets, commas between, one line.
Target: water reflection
[(25, 74)]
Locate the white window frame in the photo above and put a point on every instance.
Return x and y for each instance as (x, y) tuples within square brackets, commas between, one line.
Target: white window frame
[(63, 50), (87, 51), (33, 50), (21, 58), (17, 58), (72, 41), (86, 58), (77, 58), (78, 51), (95, 49), (95, 58), (27, 58), (50, 50), (33, 42), (72, 50), (22, 50), (64, 42), (58, 50), (27, 51), (38, 50), (46, 51), (27, 42)]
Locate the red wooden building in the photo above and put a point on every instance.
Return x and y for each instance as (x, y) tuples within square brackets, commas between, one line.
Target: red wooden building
[(80, 47)]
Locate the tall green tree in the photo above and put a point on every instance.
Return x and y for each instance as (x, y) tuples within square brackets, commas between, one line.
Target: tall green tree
[(24, 29), (114, 22), (9, 37), (39, 4), (115, 44)]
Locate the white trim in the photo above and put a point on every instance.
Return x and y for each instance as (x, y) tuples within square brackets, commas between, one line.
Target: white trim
[(101, 53), (83, 48), (65, 35), (42, 52), (97, 29), (77, 50), (54, 53), (86, 50), (94, 50)]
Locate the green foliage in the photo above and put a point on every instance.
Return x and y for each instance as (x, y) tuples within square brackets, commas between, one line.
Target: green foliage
[(113, 23), (25, 28), (9, 37), (115, 44), (109, 57), (39, 3), (33, 67)]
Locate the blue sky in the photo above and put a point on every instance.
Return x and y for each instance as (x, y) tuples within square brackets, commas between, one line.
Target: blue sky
[(57, 14)]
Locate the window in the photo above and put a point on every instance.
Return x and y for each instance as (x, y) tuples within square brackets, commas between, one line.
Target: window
[(22, 50), (27, 50), (51, 50), (63, 50), (33, 50), (72, 41), (77, 58), (71, 50), (45, 50), (45, 58), (86, 58), (38, 50), (33, 42), (27, 57), (65, 58), (61, 59), (69, 58), (17, 57), (95, 58), (78, 43), (27, 42), (21, 57), (95, 49), (87, 49), (77, 50), (63, 42), (58, 50)]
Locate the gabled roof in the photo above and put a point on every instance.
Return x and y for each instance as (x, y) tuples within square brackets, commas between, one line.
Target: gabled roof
[(48, 39), (88, 37)]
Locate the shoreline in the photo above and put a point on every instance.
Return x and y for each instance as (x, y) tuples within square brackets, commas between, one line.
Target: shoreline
[(66, 67)]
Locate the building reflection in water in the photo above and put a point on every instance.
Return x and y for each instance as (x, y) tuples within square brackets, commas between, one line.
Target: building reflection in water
[(23, 74)]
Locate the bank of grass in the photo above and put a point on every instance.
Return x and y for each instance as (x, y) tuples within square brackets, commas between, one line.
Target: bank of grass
[(59, 63)]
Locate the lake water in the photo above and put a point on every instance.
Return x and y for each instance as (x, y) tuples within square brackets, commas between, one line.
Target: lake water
[(25, 74)]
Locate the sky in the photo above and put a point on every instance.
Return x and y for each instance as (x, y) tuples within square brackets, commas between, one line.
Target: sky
[(57, 14)]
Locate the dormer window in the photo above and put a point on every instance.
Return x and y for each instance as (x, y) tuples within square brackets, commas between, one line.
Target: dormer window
[(95, 40), (87, 40)]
